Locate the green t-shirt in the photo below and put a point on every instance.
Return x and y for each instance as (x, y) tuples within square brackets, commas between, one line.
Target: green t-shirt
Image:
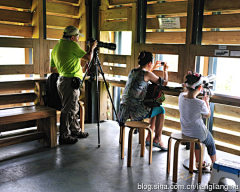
[(65, 57)]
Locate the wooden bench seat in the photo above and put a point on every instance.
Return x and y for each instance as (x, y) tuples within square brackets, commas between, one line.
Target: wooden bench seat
[(26, 115)]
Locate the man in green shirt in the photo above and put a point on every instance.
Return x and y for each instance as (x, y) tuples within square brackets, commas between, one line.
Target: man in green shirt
[(65, 60)]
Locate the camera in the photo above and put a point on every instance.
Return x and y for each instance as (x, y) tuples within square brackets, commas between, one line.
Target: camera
[(111, 46), (162, 63), (208, 83)]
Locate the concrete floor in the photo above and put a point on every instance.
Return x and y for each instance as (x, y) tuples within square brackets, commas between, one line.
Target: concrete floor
[(31, 167)]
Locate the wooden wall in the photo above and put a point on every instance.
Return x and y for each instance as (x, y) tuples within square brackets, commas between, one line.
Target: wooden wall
[(221, 26)]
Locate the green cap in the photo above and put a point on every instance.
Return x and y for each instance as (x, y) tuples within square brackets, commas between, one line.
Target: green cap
[(72, 30)]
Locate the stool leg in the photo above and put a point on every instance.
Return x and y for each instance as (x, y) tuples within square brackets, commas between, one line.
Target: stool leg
[(200, 163), (169, 154), (139, 136), (122, 130), (192, 149), (151, 145), (130, 136), (142, 131), (120, 135), (175, 162)]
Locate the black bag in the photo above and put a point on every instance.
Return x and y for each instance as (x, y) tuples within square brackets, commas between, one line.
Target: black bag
[(52, 98), (76, 83), (154, 96)]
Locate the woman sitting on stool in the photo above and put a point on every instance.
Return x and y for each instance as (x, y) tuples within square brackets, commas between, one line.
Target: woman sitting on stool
[(191, 109), (132, 105)]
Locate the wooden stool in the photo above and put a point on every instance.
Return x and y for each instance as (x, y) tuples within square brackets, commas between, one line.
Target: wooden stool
[(182, 138), (223, 168), (135, 125)]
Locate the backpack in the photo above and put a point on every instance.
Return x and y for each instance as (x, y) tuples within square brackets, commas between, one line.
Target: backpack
[(52, 98), (154, 96)]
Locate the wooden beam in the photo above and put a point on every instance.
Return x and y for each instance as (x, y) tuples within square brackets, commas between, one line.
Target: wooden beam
[(159, 48), (115, 26), (110, 58), (226, 124), (15, 16), (69, 2), (14, 42), (65, 10), (16, 30), (227, 138), (227, 110), (172, 76), (58, 21), (167, 8), (209, 50), (17, 98), (23, 4), (82, 22), (171, 112), (171, 100), (54, 33), (166, 37), (221, 5), (114, 70), (172, 124), (16, 69), (115, 14), (121, 2)]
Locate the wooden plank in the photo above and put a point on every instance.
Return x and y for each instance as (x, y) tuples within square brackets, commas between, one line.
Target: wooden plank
[(209, 50), (18, 125), (167, 8), (110, 58), (115, 26), (221, 37), (225, 99), (20, 84), (166, 37), (226, 149), (171, 100), (114, 70), (153, 23), (52, 43), (21, 138), (17, 98), (58, 21), (14, 42), (159, 48), (181, 62), (115, 14), (209, 37), (36, 57), (172, 76), (226, 124), (121, 2), (132, 18), (221, 5), (23, 4), (46, 53), (27, 113), (172, 124), (70, 2), (16, 69), (16, 30), (82, 22), (61, 9), (227, 110), (171, 112), (54, 33), (15, 16), (227, 138)]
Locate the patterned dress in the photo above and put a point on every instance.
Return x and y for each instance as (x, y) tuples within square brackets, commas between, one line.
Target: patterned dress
[(132, 106)]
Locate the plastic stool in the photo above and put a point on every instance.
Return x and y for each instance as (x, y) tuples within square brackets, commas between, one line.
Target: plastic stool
[(224, 168)]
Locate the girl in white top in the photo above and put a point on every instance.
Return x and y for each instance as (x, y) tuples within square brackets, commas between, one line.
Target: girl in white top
[(191, 111)]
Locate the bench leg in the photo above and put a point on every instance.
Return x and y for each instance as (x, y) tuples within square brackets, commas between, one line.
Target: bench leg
[(48, 125)]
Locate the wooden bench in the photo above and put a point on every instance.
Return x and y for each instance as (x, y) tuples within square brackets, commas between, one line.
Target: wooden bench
[(18, 111)]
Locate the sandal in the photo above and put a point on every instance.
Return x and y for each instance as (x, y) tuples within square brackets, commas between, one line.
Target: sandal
[(204, 166), (80, 134)]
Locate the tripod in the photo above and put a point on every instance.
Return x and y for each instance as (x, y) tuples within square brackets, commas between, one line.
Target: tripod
[(98, 69)]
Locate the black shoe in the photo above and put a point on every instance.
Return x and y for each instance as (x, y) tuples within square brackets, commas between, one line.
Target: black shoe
[(80, 134), (68, 140)]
